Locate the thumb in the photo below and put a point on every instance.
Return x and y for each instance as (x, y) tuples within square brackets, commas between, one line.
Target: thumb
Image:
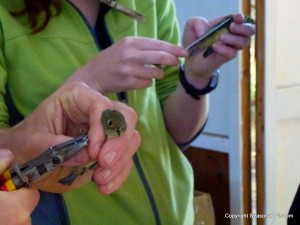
[(16, 206), (6, 159)]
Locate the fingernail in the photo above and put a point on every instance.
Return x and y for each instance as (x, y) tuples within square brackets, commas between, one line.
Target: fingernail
[(105, 174), (110, 157), (4, 153), (109, 186), (185, 53), (222, 37)]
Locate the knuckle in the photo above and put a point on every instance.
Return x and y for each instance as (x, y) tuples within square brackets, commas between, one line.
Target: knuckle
[(232, 54), (160, 44), (130, 82), (138, 138), (102, 103), (136, 141), (160, 74), (162, 58), (146, 83), (75, 87), (196, 20), (247, 42), (129, 41), (126, 55), (132, 114), (125, 69)]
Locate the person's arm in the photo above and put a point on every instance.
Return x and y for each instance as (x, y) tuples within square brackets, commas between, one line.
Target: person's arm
[(64, 114), (181, 108), (16, 206), (185, 116)]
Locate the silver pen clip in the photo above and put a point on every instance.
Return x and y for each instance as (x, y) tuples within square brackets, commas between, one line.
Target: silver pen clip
[(125, 10)]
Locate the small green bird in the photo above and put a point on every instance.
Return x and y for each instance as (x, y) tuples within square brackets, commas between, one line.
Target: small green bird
[(114, 125), (206, 41)]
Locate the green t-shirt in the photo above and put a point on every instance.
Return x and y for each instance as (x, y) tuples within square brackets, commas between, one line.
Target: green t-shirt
[(159, 189)]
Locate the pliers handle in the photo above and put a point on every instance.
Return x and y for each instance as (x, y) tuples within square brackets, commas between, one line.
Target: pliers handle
[(35, 169)]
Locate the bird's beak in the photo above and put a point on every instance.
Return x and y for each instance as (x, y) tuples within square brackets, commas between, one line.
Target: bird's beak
[(118, 132)]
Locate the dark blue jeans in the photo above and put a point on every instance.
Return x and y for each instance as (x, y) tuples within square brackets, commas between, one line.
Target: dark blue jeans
[(51, 210)]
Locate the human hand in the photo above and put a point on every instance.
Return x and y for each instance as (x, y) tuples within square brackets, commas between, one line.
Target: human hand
[(129, 64), (16, 206), (66, 113), (224, 49)]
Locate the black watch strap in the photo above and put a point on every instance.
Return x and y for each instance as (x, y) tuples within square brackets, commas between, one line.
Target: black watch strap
[(194, 92)]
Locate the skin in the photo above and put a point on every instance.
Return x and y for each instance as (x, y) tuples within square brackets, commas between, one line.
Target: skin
[(114, 125), (212, 36), (62, 116), (16, 206), (198, 73), (127, 71)]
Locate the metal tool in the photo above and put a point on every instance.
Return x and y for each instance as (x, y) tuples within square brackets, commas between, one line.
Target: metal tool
[(35, 169), (114, 125)]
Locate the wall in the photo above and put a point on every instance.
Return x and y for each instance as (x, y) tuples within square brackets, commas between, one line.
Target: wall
[(282, 108)]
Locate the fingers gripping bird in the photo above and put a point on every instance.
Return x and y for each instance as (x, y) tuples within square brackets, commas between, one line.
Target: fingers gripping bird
[(114, 125)]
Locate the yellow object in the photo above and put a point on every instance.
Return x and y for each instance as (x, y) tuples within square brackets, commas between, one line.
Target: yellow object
[(8, 186), (6, 175), (203, 208)]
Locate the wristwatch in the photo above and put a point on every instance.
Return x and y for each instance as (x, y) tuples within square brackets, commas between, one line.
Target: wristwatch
[(194, 92)]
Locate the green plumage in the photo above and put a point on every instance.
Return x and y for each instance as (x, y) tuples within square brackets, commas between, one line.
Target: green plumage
[(113, 123)]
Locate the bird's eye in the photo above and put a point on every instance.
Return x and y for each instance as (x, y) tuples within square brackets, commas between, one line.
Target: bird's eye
[(110, 123)]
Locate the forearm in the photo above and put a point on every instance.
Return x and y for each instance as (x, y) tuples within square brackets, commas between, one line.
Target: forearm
[(18, 139), (8, 140), (4, 138), (185, 116)]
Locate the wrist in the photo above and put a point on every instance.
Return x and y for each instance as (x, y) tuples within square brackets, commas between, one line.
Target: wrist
[(10, 140), (5, 137), (198, 87), (198, 82)]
